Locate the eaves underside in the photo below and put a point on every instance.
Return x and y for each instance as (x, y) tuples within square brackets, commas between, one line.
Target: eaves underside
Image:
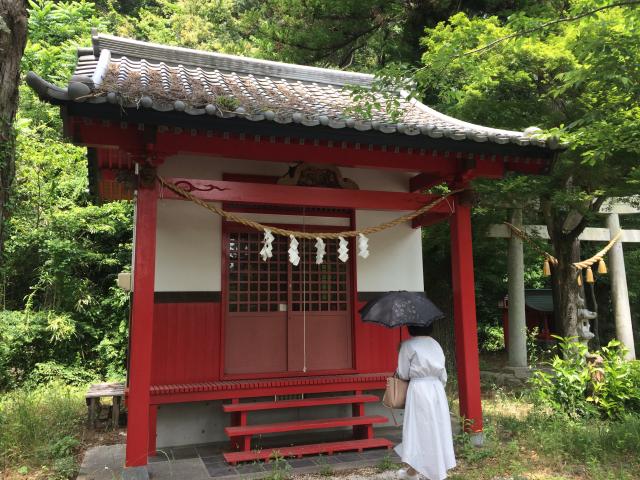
[(176, 120)]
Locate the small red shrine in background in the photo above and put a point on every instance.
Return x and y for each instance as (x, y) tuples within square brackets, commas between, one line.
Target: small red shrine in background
[(538, 314), (214, 327)]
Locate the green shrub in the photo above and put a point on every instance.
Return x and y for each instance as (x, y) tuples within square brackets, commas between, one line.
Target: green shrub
[(49, 372), (616, 394), (579, 388), (491, 338), (41, 427)]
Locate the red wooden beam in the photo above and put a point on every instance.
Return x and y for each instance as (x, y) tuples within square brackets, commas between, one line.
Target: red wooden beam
[(283, 149), (243, 192), (464, 312), (105, 135), (425, 181), (139, 416), (132, 138)]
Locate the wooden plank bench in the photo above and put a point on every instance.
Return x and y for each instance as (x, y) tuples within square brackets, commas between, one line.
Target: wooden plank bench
[(102, 390), (313, 449), (242, 435)]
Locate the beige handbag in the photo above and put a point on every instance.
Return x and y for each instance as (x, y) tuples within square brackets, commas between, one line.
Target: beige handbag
[(396, 393)]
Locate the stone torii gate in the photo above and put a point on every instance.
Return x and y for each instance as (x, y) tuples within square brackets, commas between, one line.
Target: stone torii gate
[(515, 262)]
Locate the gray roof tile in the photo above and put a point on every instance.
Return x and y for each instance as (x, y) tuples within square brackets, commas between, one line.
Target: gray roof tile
[(146, 75)]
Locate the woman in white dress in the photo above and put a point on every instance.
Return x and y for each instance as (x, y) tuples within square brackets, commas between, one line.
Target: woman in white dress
[(427, 442)]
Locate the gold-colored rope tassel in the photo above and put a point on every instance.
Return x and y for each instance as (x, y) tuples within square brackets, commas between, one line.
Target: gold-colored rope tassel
[(602, 267), (590, 278), (546, 268), (579, 278)]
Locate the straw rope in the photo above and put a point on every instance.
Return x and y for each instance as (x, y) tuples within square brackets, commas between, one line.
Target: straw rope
[(232, 217), (598, 256), (579, 265), (527, 238)]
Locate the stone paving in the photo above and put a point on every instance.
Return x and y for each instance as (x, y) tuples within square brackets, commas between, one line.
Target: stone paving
[(202, 462)]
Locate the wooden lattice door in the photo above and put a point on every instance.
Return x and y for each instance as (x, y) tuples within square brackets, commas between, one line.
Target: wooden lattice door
[(320, 318), (280, 318)]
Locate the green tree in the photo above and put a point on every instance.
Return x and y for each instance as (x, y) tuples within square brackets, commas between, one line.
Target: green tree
[(357, 34), (13, 38), (579, 79), (62, 252)]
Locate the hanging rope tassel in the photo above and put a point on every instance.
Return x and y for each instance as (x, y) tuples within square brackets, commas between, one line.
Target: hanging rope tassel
[(579, 278), (602, 267), (320, 251), (546, 268), (590, 278), (343, 250), (294, 257), (363, 246), (267, 248)]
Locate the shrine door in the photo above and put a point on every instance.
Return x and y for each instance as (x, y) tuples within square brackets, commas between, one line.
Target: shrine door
[(284, 319)]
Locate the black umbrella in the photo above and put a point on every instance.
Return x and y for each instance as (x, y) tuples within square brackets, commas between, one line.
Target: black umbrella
[(395, 309)]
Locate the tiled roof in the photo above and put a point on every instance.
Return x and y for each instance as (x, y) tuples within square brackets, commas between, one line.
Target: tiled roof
[(540, 299), (144, 75)]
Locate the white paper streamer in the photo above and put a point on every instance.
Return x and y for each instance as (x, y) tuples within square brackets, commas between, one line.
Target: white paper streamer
[(320, 250), (343, 249), (363, 246), (267, 245), (294, 257)]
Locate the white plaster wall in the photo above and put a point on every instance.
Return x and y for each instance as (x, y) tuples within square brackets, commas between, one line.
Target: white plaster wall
[(188, 251), (395, 262), (188, 236)]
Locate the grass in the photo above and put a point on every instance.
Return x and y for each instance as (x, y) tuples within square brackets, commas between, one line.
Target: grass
[(387, 464), (41, 432), (525, 443)]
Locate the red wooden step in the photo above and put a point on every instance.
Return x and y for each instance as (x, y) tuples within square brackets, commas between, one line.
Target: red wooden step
[(303, 425), (300, 450), (307, 402)]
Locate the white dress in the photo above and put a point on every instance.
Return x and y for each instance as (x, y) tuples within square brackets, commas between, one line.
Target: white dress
[(427, 442)]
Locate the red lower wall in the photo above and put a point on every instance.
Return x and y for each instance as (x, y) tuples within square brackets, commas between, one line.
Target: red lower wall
[(376, 346), (186, 343)]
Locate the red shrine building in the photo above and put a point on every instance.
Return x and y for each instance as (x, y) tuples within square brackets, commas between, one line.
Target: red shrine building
[(224, 345)]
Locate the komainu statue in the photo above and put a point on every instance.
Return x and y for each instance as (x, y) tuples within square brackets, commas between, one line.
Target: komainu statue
[(584, 318)]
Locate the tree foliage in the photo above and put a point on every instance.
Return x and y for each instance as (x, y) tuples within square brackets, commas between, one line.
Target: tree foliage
[(578, 80), (63, 252)]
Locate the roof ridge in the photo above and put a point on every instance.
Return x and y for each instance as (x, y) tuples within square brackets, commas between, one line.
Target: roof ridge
[(131, 48)]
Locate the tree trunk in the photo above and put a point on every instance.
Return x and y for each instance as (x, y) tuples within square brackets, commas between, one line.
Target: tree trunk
[(565, 286), (13, 39)]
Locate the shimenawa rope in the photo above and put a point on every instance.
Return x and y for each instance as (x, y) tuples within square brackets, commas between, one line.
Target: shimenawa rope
[(579, 266), (284, 232)]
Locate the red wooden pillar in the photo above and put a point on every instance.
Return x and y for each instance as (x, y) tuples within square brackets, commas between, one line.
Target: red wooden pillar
[(464, 310), (153, 430), (138, 420)]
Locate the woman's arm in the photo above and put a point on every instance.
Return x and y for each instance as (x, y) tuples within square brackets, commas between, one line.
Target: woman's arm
[(404, 362), (443, 376)]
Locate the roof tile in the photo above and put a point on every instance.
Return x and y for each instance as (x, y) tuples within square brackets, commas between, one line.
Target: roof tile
[(145, 75)]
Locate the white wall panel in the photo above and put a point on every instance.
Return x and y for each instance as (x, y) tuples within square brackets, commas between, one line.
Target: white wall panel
[(188, 251), (395, 260), (188, 242)]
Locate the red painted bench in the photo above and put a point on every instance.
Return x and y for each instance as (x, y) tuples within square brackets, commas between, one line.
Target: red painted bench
[(241, 434), (306, 402), (350, 385), (301, 450)]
